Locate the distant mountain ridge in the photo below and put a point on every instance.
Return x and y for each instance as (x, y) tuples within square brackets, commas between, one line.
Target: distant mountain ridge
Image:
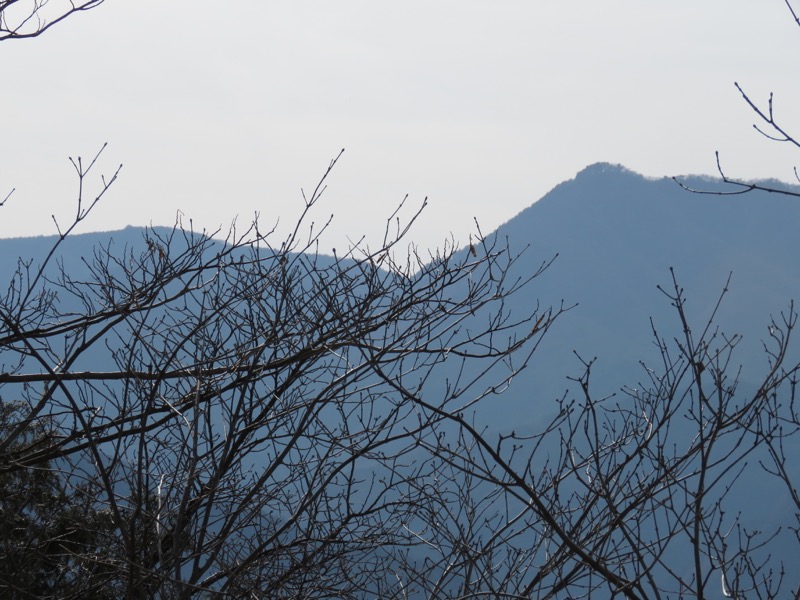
[(617, 234)]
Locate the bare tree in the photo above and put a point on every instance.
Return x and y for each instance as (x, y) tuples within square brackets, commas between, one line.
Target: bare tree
[(638, 495), (21, 19), (253, 418), (243, 418)]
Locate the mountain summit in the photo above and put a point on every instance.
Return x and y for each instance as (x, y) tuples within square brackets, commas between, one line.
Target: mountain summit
[(617, 234)]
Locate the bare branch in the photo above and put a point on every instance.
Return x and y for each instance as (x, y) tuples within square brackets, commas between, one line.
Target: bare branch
[(22, 19)]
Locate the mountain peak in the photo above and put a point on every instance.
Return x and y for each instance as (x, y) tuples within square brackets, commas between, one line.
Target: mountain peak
[(606, 170)]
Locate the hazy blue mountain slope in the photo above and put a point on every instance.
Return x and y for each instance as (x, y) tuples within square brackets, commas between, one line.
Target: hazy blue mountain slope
[(617, 234)]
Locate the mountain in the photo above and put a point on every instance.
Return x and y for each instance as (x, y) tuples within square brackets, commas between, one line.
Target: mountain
[(616, 236)]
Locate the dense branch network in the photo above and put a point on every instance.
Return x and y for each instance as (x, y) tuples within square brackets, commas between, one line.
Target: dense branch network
[(236, 417)]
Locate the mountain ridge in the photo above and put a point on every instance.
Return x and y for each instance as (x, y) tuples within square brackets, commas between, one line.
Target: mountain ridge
[(617, 236)]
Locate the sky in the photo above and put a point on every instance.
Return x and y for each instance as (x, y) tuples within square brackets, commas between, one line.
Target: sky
[(219, 111)]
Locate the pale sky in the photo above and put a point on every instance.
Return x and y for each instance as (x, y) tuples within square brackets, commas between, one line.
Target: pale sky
[(224, 109)]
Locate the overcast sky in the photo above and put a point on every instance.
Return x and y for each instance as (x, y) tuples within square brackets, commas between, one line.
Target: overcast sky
[(225, 109)]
